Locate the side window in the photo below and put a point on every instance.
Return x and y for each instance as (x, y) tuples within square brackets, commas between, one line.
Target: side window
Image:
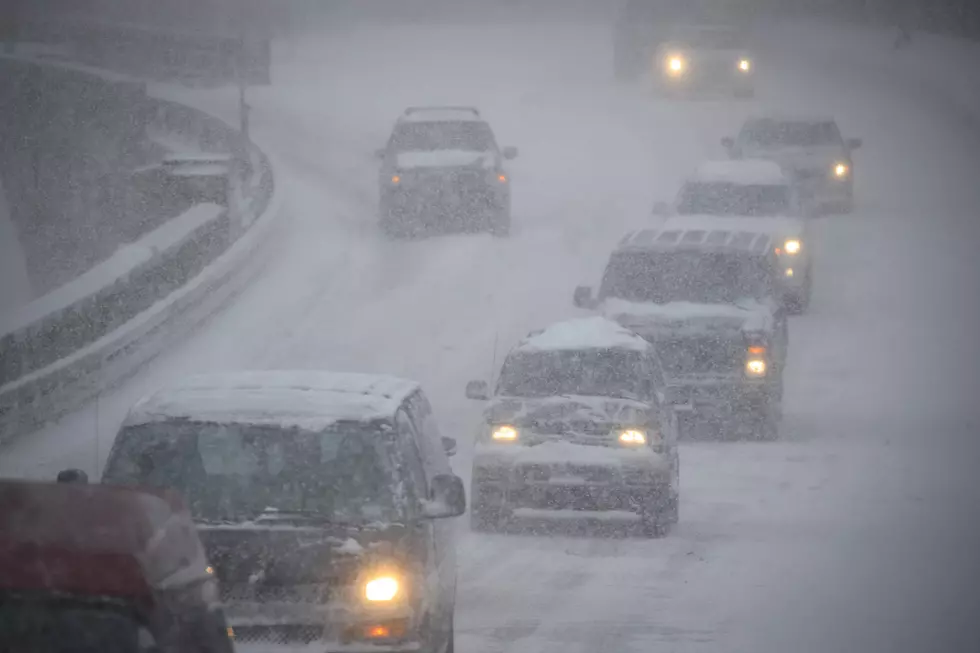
[(656, 371), (412, 459), (430, 440)]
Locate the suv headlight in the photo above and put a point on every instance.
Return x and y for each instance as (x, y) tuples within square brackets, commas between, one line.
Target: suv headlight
[(675, 64), (792, 246), (631, 437), (755, 362), (841, 170), (744, 65), (383, 588), (503, 433)]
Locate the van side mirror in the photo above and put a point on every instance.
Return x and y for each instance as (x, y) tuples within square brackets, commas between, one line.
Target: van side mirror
[(447, 497), (449, 446), (583, 297), (509, 152), (853, 143), (477, 390)]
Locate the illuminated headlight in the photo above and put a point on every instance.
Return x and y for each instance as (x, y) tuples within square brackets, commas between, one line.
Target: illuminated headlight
[(381, 589), (755, 367), (744, 65), (396, 179), (503, 434), (789, 272), (675, 64), (632, 437), (841, 170), (792, 246)]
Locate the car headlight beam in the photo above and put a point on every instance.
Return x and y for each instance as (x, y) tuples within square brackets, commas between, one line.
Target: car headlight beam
[(382, 589), (755, 367), (841, 170), (632, 437), (503, 433), (744, 65), (675, 64)]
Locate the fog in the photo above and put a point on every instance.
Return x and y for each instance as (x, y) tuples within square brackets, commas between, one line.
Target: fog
[(856, 530)]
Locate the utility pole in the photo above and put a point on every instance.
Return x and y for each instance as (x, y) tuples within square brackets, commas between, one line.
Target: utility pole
[(243, 107)]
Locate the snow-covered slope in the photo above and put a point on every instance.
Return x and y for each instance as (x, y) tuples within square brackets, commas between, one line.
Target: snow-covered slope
[(848, 536)]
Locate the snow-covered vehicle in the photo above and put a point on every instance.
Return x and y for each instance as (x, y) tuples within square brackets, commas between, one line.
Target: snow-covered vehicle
[(755, 195), (704, 57), (93, 568), (811, 149), (577, 427), (709, 301), (442, 169), (318, 497)]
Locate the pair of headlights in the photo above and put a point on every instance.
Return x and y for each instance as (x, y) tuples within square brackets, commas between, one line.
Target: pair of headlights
[(677, 64), (626, 437)]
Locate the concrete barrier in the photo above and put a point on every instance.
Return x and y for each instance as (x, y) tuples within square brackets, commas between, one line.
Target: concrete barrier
[(65, 347)]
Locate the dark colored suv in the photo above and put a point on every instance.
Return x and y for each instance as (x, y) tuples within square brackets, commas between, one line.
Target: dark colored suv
[(442, 170), (319, 498)]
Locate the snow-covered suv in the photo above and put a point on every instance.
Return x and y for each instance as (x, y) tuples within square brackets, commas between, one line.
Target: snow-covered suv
[(811, 148), (442, 169), (708, 299), (319, 498), (756, 195), (577, 427)]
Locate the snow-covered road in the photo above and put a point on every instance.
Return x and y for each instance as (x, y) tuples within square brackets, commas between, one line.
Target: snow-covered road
[(852, 534)]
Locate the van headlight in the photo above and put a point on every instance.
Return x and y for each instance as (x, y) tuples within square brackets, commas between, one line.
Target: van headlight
[(382, 589), (675, 65), (744, 65), (755, 367)]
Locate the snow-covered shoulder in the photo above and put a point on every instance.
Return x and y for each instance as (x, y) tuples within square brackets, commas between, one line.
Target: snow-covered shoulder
[(777, 226), (306, 399), (594, 332), (745, 172), (444, 159)]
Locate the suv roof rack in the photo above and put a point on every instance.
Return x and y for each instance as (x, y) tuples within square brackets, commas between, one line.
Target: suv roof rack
[(410, 110)]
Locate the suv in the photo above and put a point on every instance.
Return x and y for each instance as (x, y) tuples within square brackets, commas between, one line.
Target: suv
[(812, 149), (93, 568), (703, 57), (319, 498), (756, 195), (707, 299), (577, 427), (442, 168)]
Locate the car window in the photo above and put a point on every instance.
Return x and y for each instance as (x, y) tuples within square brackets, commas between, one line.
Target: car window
[(442, 135), (411, 457), (430, 442), (726, 198)]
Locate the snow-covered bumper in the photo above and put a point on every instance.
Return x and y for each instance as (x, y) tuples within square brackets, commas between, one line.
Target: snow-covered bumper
[(291, 615), (551, 478), (459, 199)]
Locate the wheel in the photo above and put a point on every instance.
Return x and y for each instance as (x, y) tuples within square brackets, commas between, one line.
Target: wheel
[(767, 427), (658, 515)]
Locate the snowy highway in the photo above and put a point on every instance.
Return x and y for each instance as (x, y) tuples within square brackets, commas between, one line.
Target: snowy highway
[(856, 532)]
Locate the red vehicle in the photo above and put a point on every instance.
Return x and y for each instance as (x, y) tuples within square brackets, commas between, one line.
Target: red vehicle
[(103, 569)]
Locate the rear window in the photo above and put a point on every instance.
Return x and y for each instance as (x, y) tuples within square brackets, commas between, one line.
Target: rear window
[(236, 472), (67, 626), (721, 198)]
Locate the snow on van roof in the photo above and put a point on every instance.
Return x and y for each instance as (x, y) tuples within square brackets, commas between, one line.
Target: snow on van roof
[(584, 333), (741, 171), (306, 399)]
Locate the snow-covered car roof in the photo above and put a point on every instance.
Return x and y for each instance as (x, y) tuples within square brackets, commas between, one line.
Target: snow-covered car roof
[(306, 399), (745, 172), (675, 235), (594, 332), (773, 225), (441, 114)]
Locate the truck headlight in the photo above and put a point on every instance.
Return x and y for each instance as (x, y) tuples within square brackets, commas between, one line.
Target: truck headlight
[(632, 437), (503, 433), (744, 65), (792, 246), (381, 589), (841, 170)]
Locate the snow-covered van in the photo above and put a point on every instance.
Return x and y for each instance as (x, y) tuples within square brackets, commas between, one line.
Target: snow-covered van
[(810, 147), (755, 195), (577, 427), (319, 498), (708, 300), (442, 169), (93, 568)]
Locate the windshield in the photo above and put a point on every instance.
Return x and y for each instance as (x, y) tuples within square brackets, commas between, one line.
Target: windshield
[(430, 136), (775, 134), (698, 277), (717, 198), (233, 472), (593, 372)]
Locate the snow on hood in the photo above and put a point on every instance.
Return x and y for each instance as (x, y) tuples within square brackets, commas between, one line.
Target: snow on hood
[(775, 226), (748, 315), (444, 159), (571, 411)]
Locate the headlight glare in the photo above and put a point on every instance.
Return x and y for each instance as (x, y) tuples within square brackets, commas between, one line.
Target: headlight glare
[(503, 433), (675, 64), (755, 367), (744, 65), (841, 170), (792, 246), (632, 437), (381, 589)]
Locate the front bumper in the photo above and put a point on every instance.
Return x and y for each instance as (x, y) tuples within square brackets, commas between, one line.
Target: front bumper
[(723, 401), (823, 187), (589, 489)]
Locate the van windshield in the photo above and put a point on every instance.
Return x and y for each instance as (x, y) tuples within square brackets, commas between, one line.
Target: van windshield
[(236, 472)]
